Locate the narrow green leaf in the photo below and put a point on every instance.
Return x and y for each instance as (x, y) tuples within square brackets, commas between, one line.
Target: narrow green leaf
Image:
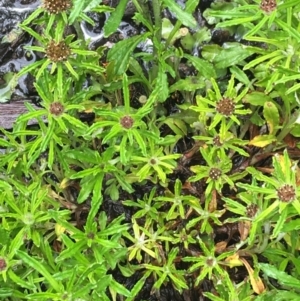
[(42, 296), (96, 199), (33, 66), (19, 281), (190, 83), (282, 277), (293, 89), (279, 224), (75, 122), (121, 52), (87, 185), (86, 172), (16, 243), (48, 136), (126, 96), (33, 16), (60, 81), (72, 71), (137, 287), (84, 52), (204, 67), (119, 288), (76, 10), (289, 29), (40, 267), (261, 59), (71, 251), (111, 25), (184, 17), (232, 56)]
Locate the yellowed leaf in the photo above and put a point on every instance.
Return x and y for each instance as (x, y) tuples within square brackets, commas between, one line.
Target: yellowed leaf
[(281, 160), (256, 283), (262, 140), (59, 230), (233, 261)]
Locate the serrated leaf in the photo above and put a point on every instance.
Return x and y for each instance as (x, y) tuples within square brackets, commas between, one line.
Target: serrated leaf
[(262, 140), (282, 277), (257, 98), (232, 56), (184, 17), (190, 83), (120, 54), (40, 268), (119, 288), (92, 4), (76, 10), (111, 25), (204, 67)]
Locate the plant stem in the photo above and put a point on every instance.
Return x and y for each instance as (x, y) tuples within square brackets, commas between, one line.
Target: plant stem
[(157, 20)]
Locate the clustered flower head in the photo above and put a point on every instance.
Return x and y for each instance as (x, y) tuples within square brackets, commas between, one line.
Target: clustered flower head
[(127, 122), (286, 193), (268, 5), (3, 264), (215, 173), (251, 210), (225, 107), (217, 141), (217, 107), (57, 6), (57, 52), (56, 108)]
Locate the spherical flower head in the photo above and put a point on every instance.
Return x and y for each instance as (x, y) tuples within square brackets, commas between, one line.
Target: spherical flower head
[(56, 108), (268, 6), (215, 173), (127, 122), (217, 141), (251, 210), (225, 107), (56, 6), (57, 52), (286, 193), (3, 264)]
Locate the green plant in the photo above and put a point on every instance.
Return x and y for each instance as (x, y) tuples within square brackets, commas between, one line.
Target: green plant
[(162, 161), (215, 172), (281, 188)]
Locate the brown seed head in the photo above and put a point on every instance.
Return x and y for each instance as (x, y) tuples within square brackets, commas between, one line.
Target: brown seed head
[(127, 122), (56, 6), (268, 5), (58, 52), (3, 264), (91, 235), (225, 107), (153, 161), (56, 108), (215, 173), (251, 210), (286, 193), (217, 141), (210, 261)]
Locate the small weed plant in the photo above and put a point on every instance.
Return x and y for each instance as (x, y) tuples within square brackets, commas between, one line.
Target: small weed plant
[(159, 163)]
